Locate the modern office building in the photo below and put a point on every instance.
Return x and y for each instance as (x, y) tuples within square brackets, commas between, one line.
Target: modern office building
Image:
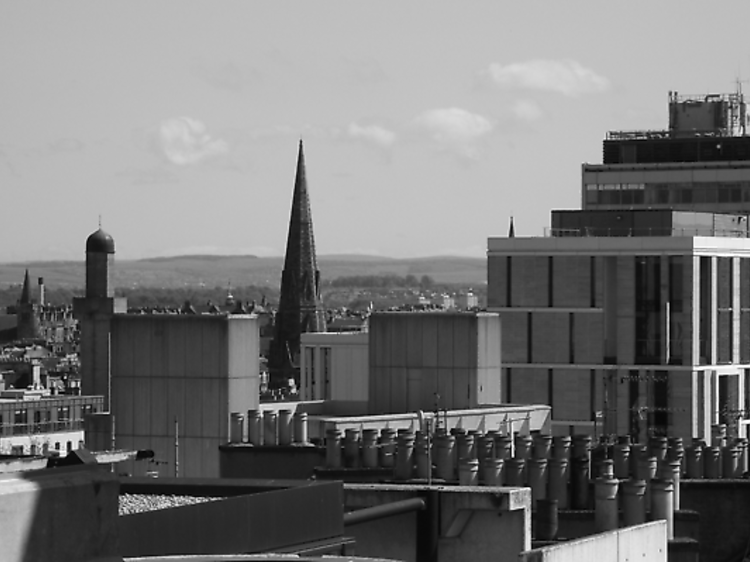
[(700, 163), (623, 330)]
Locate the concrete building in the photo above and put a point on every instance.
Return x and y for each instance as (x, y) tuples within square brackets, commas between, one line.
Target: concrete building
[(326, 355), (174, 381), (407, 361), (431, 360), (94, 313), (34, 422), (627, 333), (700, 163), (169, 381)]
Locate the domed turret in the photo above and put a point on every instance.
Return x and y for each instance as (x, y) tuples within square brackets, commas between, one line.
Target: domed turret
[(100, 243), (100, 255)]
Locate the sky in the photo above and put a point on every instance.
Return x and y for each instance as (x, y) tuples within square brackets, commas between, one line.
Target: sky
[(426, 125)]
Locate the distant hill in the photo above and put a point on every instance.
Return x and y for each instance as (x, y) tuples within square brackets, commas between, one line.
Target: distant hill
[(212, 270)]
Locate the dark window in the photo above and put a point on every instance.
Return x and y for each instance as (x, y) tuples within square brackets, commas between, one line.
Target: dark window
[(648, 332), (660, 414)]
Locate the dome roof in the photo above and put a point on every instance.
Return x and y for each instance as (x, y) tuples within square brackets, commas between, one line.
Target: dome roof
[(100, 242)]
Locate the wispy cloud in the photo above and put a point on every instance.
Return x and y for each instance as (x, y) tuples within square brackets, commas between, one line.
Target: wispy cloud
[(567, 77), (455, 128), (373, 134), (184, 141), (527, 110)]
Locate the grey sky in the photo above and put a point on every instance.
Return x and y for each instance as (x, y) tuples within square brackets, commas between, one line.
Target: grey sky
[(426, 124)]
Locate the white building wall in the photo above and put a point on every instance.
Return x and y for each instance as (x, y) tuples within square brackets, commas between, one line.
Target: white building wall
[(347, 374), (175, 380)]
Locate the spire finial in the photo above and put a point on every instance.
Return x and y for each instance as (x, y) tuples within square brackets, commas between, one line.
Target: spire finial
[(512, 229), (100, 220)]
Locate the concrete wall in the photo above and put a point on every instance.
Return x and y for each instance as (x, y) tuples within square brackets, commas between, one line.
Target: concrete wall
[(193, 370), (724, 508), (420, 361), (645, 543), (348, 365), (479, 524), (250, 520), (65, 514)]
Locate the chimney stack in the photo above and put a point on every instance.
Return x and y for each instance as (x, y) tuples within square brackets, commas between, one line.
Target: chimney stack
[(41, 291)]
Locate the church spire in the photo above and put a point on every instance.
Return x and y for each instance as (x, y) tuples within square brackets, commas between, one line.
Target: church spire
[(26, 291), (300, 307)]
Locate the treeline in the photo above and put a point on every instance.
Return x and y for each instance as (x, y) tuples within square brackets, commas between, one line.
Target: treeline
[(387, 281), (10, 296), (149, 297)]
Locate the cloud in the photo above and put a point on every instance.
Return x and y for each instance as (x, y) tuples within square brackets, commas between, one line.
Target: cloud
[(184, 141), (372, 134), (527, 110), (455, 128), (567, 77)]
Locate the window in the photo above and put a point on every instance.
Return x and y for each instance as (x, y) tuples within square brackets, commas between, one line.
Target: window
[(326, 368), (662, 194), (310, 371), (20, 421)]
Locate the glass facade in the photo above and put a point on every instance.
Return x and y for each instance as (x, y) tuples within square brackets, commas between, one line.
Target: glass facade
[(672, 194)]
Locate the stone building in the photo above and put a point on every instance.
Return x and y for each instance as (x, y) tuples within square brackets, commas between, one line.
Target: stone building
[(300, 306)]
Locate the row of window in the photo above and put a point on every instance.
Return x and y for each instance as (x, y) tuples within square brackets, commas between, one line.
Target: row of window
[(34, 449), (25, 420), (666, 194)]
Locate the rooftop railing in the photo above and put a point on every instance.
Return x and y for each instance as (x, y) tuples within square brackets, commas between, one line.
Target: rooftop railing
[(644, 231)]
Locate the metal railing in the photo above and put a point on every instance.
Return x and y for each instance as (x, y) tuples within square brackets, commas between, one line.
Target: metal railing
[(600, 232), (40, 427)]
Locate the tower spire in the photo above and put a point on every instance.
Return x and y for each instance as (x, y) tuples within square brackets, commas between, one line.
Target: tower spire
[(512, 228), (26, 291), (300, 307)]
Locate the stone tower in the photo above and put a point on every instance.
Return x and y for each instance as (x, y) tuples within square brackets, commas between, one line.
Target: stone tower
[(27, 313), (300, 307), (94, 313)]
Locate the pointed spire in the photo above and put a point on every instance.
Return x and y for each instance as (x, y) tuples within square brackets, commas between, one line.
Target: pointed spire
[(512, 229), (26, 291), (300, 306)]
